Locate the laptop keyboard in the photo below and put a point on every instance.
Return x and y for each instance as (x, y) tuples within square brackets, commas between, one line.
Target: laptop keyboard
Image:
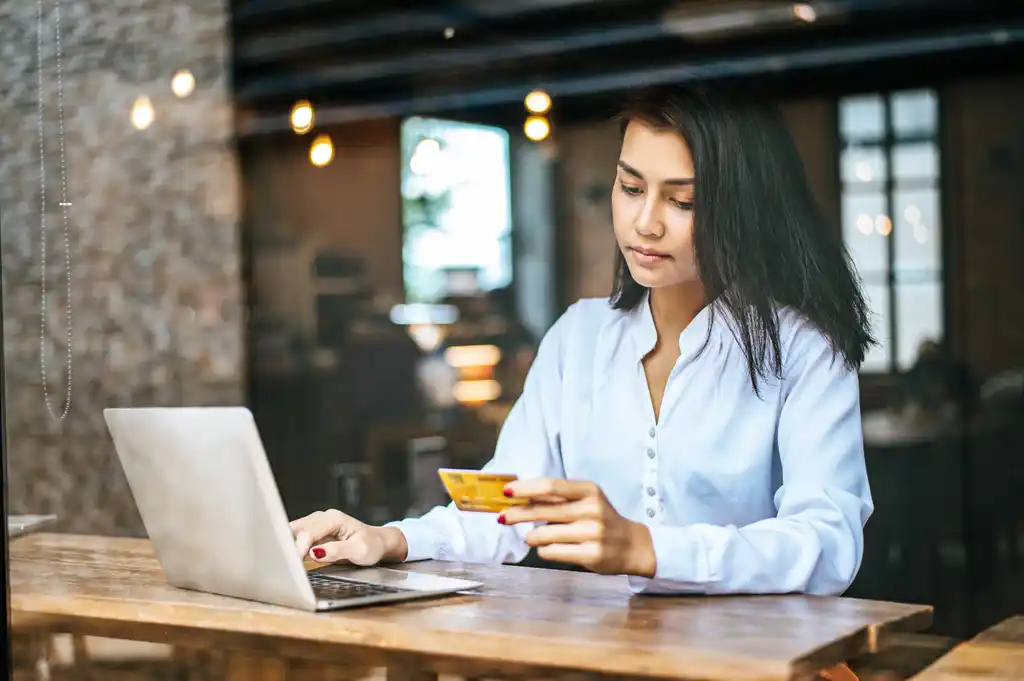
[(338, 589)]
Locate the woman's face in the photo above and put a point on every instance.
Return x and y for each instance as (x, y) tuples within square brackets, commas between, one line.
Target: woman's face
[(652, 206)]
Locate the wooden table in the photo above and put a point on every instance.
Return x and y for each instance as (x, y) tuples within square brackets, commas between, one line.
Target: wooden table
[(524, 622), (996, 654)]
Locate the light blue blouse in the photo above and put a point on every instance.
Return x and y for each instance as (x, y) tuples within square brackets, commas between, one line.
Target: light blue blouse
[(742, 493)]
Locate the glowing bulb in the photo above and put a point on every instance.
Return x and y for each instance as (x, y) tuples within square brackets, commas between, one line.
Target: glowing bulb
[(474, 392), (449, 33), (537, 102), (912, 214), (864, 223), (426, 157), (464, 356), (537, 128), (883, 225), (322, 151), (863, 171), (804, 12), (183, 83), (302, 117), (142, 113)]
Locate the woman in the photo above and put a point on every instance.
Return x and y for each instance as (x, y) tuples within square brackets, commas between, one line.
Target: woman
[(700, 431)]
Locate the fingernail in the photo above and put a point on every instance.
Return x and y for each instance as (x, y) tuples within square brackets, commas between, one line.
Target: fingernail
[(319, 553), (501, 519), (507, 492)]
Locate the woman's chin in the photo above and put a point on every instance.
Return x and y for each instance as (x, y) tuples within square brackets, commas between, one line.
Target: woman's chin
[(646, 278)]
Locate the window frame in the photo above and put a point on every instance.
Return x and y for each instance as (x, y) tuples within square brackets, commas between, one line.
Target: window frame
[(889, 187)]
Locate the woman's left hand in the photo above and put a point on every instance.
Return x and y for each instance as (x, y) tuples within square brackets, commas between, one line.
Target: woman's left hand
[(584, 529)]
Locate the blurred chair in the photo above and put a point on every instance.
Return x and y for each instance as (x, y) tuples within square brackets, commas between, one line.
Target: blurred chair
[(1005, 389), (349, 481), (426, 455), (387, 454), (997, 461)]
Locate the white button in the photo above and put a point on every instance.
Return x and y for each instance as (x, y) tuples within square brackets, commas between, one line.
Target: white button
[(650, 513), (651, 432), (650, 491), (650, 453)]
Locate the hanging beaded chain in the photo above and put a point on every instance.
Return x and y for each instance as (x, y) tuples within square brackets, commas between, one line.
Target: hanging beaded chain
[(65, 205)]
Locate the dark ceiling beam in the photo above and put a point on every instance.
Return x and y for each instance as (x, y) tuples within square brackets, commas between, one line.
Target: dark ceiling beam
[(426, 61), (288, 43), (935, 43), (438, 60)]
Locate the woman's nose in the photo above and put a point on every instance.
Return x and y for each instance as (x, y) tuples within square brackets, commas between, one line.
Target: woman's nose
[(648, 223)]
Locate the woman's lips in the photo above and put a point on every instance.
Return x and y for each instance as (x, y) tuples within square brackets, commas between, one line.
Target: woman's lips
[(646, 256)]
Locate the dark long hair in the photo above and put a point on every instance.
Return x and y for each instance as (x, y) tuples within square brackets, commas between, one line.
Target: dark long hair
[(760, 239)]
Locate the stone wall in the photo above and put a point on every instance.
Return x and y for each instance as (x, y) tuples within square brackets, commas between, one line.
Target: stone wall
[(154, 234)]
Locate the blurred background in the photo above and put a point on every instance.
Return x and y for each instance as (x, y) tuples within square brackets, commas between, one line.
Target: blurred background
[(359, 218)]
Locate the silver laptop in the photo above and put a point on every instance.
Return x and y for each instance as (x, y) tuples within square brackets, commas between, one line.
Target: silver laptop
[(208, 499)]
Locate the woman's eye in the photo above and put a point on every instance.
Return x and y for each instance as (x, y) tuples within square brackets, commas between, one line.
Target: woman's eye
[(630, 191), (683, 205)]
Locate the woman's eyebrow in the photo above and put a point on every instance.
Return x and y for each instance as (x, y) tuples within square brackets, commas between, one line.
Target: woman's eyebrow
[(630, 170)]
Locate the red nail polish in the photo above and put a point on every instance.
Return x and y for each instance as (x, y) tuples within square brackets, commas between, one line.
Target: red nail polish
[(507, 492), (501, 520), (319, 553)]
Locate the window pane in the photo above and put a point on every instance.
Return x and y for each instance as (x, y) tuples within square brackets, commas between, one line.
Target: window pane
[(918, 318), (915, 112), (917, 232), (863, 165), (861, 231), (915, 161), (877, 359), (861, 118), (455, 206)]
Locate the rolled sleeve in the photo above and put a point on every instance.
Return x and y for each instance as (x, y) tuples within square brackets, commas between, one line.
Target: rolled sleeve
[(528, 446)]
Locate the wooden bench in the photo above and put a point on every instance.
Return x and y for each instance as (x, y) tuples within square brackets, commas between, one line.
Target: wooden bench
[(996, 654)]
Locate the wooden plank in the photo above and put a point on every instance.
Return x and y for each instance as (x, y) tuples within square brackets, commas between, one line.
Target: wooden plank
[(1009, 631), (551, 623), (996, 654)]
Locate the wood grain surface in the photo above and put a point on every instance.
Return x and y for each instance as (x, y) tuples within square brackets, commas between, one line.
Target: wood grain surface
[(996, 654), (524, 622)]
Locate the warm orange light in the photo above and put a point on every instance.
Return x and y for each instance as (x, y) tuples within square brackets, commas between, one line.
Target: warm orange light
[(469, 392), (476, 373), (537, 128), (302, 117), (883, 225), (804, 12), (142, 113), (183, 83), (322, 151), (538, 102), (463, 356)]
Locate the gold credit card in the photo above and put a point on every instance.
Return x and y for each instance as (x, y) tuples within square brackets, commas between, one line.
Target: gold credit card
[(476, 491)]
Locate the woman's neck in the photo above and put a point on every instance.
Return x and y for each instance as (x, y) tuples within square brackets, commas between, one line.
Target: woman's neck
[(674, 307)]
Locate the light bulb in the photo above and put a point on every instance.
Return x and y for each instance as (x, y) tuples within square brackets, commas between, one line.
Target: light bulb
[(302, 117), (537, 128), (321, 152)]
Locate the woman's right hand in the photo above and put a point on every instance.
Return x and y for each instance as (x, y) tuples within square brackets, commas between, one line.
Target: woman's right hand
[(333, 537)]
